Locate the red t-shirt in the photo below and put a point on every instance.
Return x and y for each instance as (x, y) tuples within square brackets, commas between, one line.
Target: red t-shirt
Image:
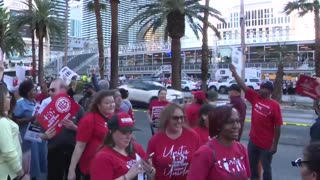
[(227, 163), (156, 107), (192, 113), (203, 134), (40, 97), (266, 115), (172, 157), (108, 164), (92, 129)]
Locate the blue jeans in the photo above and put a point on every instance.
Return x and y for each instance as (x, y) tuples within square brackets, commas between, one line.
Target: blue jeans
[(255, 154)]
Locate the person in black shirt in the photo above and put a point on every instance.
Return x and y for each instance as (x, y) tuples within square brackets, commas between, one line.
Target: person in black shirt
[(315, 128)]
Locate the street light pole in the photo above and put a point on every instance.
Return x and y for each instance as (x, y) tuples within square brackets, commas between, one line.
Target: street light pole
[(243, 45)]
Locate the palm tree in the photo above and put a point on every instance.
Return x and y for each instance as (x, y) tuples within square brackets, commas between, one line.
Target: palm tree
[(10, 39), (44, 19), (172, 14), (283, 56), (303, 7), (114, 44), (205, 49), (97, 7), (33, 45)]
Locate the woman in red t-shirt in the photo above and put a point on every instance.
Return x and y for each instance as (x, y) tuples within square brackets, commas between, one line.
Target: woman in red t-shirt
[(156, 107), (91, 131), (222, 158), (173, 145), (192, 111), (202, 129), (117, 159)]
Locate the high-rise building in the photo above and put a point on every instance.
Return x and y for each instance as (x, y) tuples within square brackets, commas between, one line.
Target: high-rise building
[(57, 43), (75, 20), (127, 11)]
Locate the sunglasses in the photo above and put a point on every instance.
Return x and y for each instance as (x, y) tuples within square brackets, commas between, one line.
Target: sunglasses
[(51, 90), (298, 162), (176, 118)]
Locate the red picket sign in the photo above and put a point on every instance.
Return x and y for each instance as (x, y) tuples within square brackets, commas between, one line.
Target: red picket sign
[(60, 108), (308, 86)]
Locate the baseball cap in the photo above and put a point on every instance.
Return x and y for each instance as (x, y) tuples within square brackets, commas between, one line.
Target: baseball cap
[(200, 95), (235, 87), (267, 85), (122, 122)]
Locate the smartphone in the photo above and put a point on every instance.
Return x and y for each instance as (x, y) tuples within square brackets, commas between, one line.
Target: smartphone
[(150, 156)]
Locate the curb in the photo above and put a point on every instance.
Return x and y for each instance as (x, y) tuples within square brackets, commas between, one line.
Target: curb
[(249, 121)]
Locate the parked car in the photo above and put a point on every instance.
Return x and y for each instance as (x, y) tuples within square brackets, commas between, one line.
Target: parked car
[(223, 85), (146, 91), (186, 85)]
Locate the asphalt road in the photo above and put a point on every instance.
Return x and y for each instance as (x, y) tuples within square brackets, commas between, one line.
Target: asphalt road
[(292, 140)]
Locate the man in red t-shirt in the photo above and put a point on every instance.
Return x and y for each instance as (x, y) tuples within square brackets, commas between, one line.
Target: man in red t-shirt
[(266, 121)]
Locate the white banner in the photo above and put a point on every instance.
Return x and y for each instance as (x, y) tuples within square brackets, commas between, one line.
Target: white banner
[(67, 74), (236, 58), (20, 73)]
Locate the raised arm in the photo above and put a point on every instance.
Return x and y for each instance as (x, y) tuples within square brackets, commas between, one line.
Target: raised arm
[(238, 78)]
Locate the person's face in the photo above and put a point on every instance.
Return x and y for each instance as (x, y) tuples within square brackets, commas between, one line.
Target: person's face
[(122, 139), (7, 100), (264, 92), (233, 93), (163, 95), (32, 94), (231, 128), (107, 105), (205, 118), (176, 121), (118, 99), (44, 89), (305, 173), (55, 88)]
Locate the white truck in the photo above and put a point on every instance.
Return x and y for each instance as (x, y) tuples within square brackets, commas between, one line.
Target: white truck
[(253, 80)]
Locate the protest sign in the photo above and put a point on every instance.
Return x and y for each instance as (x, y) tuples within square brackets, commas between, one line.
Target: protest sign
[(140, 175), (308, 86), (36, 110), (61, 107), (237, 59), (33, 133), (21, 74), (67, 74)]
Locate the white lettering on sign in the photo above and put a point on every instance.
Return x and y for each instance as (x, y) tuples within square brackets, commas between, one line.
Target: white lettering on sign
[(126, 120)]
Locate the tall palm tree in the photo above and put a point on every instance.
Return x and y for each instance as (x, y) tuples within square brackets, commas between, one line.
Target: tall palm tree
[(33, 46), (303, 7), (44, 18), (205, 48), (172, 14), (97, 7), (282, 55), (10, 39), (114, 44)]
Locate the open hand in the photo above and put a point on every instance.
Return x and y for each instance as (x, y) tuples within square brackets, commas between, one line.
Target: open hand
[(69, 124), (49, 134)]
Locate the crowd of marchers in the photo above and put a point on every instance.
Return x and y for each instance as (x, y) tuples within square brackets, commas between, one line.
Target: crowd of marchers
[(198, 141)]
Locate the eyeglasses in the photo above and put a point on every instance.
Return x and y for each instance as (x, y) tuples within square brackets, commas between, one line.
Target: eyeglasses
[(177, 118), (298, 162), (51, 90)]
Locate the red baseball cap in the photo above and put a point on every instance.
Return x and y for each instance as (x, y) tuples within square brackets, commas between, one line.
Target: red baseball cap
[(122, 122), (200, 95)]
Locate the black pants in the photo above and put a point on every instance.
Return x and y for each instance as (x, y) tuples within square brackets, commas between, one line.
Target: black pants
[(154, 127), (59, 159), (255, 154)]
